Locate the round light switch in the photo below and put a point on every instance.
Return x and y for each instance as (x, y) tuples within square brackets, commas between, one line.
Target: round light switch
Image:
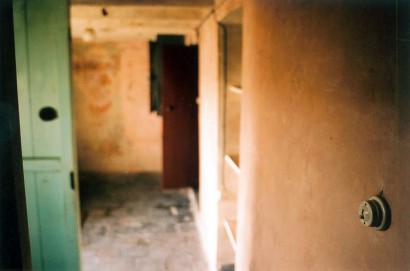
[(375, 212), (366, 213)]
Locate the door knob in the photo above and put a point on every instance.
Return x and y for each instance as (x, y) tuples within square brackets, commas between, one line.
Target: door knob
[(169, 108)]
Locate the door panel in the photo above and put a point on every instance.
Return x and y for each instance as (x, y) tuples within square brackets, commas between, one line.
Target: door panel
[(21, 52), (180, 113), (42, 47), (44, 16), (32, 216), (52, 206), (46, 198)]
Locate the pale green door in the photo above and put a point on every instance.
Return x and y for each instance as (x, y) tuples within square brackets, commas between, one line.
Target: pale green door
[(43, 74)]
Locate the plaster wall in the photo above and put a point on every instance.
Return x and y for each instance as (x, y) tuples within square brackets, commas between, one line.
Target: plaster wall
[(209, 135), (218, 3), (234, 53), (115, 130), (403, 144), (233, 100), (321, 129)]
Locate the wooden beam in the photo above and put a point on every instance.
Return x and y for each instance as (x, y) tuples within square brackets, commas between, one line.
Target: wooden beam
[(131, 33), (139, 12), (147, 2), (226, 8), (115, 23), (134, 22)]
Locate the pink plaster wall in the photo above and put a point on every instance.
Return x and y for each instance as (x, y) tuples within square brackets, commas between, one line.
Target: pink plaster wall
[(320, 135), (115, 130)]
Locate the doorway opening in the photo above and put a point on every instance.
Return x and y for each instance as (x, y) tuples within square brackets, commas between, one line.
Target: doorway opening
[(128, 220)]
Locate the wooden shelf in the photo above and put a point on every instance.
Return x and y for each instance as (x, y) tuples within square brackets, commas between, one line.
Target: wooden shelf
[(235, 89), (230, 228), (232, 175), (233, 162)]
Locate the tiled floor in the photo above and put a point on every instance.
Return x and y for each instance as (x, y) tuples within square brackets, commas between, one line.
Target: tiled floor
[(129, 223)]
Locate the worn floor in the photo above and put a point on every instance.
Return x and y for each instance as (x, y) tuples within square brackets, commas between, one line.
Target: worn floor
[(129, 223)]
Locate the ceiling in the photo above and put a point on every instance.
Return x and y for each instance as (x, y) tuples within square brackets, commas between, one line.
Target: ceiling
[(146, 2), (116, 20)]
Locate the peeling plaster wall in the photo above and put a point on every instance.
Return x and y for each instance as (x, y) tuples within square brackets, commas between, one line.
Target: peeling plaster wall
[(320, 124), (115, 130)]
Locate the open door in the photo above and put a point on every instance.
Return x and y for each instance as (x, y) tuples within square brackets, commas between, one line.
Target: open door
[(180, 113), (42, 56)]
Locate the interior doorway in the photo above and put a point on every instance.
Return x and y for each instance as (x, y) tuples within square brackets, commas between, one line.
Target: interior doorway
[(174, 93), (180, 112), (120, 152)]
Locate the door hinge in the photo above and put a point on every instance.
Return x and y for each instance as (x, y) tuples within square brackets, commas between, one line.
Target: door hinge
[(72, 180), (70, 37)]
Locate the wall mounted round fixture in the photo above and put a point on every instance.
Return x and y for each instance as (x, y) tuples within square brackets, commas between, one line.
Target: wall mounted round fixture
[(375, 213)]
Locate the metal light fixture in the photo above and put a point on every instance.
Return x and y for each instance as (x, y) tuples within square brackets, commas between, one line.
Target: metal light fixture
[(375, 212)]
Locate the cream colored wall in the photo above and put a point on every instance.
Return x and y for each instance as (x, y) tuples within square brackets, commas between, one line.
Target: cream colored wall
[(232, 39), (321, 129), (218, 2), (115, 130), (233, 99), (209, 135)]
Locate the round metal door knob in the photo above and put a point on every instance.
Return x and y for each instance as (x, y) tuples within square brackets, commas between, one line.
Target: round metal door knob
[(169, 108), (375, 213)]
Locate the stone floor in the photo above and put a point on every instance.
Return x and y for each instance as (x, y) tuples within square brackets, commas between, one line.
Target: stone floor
[(129, 223)]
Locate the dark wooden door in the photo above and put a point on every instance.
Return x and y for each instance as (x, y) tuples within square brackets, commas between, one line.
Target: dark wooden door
[(180, 116)]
